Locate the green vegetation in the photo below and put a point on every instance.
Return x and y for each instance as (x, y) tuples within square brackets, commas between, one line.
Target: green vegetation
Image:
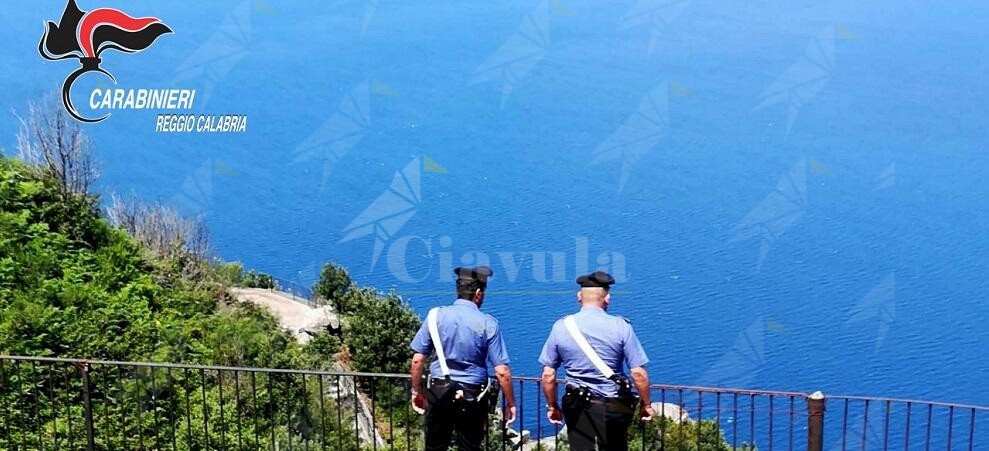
[(333, 285), (72, 285), (377, 330), (255, 279), (134, 285)]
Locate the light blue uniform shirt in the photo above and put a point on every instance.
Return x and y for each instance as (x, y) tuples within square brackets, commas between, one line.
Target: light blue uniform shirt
[(471, 339), (610, 336)]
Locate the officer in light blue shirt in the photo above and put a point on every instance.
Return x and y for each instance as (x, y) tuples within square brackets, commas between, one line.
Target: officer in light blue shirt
[(596, 408), (471, 341)]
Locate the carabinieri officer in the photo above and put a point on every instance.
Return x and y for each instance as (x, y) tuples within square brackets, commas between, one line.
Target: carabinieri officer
[(465, 342), (592, 345)]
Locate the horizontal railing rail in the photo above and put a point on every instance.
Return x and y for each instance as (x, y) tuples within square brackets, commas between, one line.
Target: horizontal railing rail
[(298, 291), (60, 403)]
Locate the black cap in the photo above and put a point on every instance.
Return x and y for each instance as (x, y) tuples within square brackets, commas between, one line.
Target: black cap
[(480, 274), (596, 279)]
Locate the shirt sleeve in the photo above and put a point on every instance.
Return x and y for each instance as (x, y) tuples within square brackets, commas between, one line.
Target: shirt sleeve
[(550, 356), (497, 352), (422, 342), (635, 356)]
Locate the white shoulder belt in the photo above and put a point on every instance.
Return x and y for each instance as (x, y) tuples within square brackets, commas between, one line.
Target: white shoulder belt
[(581, 341), (434, 334)]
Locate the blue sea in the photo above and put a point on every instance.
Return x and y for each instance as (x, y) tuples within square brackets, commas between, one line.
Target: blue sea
[(792, 194)]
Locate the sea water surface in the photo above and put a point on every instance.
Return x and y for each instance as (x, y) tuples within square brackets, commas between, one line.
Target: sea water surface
[(792, 193)]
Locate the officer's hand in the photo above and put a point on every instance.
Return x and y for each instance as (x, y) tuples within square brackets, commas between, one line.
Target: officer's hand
[(419, 402), (510, 412), (645, 413), (555, 415)]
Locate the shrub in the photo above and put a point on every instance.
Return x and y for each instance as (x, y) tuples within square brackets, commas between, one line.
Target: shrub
[(254, 279), (322, 351), (333, 285), (378, 332), (227, 274)]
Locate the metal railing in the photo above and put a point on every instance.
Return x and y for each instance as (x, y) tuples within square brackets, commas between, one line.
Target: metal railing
[(298, 291), (53, 403)]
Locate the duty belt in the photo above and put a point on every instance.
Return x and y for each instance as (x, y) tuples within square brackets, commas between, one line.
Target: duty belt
[(591, 397), (440, 383)]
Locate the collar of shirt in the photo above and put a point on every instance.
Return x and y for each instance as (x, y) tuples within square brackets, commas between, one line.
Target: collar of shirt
[(466, 303), (591, 309)]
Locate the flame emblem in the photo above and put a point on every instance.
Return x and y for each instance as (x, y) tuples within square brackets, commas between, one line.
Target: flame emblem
[(85, 35)]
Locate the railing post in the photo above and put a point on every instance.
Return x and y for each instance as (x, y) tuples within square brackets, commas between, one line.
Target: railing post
[(87, 406), (815, 421)]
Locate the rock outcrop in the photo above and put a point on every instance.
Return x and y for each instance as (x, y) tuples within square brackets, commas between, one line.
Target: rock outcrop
[(298, 318)]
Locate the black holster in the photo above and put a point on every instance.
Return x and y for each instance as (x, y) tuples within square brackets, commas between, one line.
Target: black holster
[(626, 395), (576, 398), (441, 394), (486, 396)]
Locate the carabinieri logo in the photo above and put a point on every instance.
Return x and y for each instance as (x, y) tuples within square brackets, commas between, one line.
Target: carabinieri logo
[(85, 35)]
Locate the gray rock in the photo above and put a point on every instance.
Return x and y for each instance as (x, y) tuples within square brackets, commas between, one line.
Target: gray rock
[(319, 320), (671, 411)]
